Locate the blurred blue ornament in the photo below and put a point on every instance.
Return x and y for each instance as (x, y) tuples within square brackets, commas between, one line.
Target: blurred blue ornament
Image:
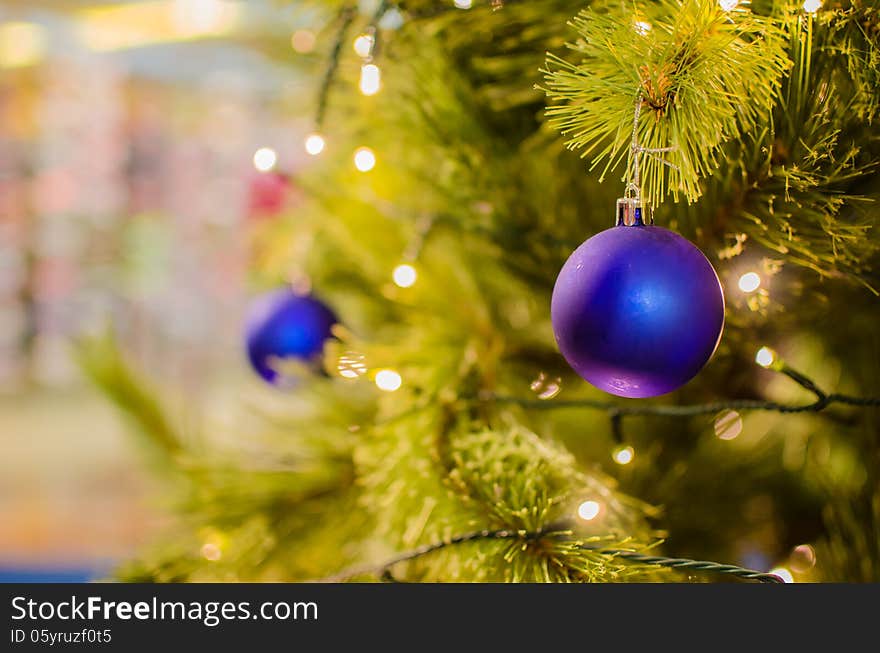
[(637, 310), (283, 325)]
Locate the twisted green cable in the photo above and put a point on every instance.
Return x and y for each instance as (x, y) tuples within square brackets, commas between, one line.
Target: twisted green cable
[(383, 570)]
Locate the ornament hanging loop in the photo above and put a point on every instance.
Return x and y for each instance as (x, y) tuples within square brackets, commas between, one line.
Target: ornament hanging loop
[(629, 212), (629, 207), (634, 176)]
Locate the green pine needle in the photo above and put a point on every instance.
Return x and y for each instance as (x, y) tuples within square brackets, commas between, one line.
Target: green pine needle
[(104, 364), (705, 76)]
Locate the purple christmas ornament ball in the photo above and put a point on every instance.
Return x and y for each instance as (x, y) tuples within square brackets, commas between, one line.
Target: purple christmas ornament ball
[(637, 310), (283, 324)]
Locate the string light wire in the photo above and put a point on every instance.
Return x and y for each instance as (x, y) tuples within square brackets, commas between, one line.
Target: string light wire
[(616, 412), (383, 570)]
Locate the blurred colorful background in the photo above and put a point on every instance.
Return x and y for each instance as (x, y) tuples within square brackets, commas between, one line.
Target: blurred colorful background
[(129, 137)]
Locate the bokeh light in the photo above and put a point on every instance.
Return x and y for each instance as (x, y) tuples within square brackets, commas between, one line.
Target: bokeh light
[(351, 365), (404, 275), (765, 357), (211, 552), (589, 510), (303, 41), (642, 27), (728, 425), (364, 159), (265, 159), (371, 79), (802, 558), (314, 144), (363, 45), (623, 455), (749, 282), (388, 380)]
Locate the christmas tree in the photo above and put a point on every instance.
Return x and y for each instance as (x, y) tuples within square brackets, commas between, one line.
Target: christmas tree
[(463, 152)]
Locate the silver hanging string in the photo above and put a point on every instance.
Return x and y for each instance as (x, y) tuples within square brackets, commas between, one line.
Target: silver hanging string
[(633, 172), (633, 189)]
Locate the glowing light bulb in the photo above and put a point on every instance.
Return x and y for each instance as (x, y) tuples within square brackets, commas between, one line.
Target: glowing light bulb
[(623, 455), (463, 4), (388, 380), (363, 45), (728, 5), (812, 6), (314, 144), (371, 79), (364, 159), (404, 275), (749, 282), (642, 27), (265, 159), (303, 41), (783, 573), (765, 357)]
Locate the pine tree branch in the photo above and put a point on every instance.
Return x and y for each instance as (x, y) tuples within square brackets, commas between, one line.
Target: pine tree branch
[(105, 365), (383, 570), (346, 16), (616, 412), (703, 75)]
